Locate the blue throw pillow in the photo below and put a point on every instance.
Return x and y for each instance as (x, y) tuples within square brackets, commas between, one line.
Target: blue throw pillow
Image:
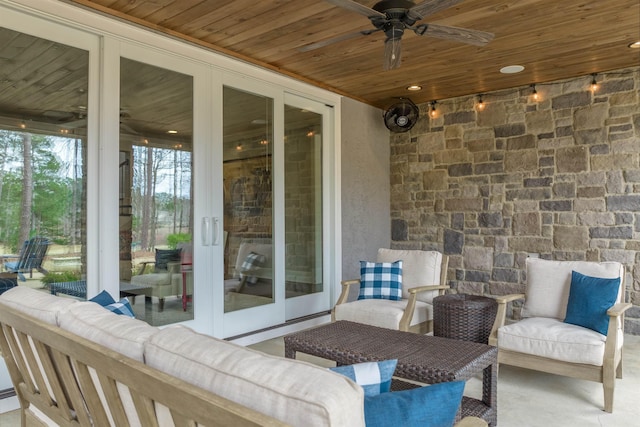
[(430, 406), (381, 280), (373, 377), (589, 300), (121, 307), (104, 298)]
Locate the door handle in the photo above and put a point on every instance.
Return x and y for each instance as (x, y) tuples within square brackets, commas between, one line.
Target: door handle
[(205, 232), (216, 231)]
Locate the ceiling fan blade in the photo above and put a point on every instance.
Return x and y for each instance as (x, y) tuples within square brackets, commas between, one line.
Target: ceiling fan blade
[(429, 7), (392, 53), (74, 124), (128, 129), (474, 37), (357, 8), (343, 37)]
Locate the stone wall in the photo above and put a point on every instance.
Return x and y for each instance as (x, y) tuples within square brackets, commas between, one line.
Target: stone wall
[(557, 178)]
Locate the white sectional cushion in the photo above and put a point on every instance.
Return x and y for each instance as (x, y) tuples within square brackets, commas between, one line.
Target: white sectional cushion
[(120, 333), (38, 304), (292, 391), (549, 282), (382, 313), (123, 334), (420, 268), (554, 339)]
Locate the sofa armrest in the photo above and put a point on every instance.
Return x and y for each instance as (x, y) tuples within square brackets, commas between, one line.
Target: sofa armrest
[(501, 315)]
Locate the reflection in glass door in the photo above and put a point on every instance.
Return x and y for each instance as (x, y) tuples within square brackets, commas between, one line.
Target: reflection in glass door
[(306, 127), (303, 201), (248, 199), (156, 168), (43, 161)]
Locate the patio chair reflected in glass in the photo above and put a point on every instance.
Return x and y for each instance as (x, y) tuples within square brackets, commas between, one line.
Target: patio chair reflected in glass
[(30, 258)]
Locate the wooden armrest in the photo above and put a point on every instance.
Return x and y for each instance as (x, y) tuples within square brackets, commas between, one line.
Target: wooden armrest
[(501, 315), (419, 289), (618, 309), (508, 298), (346, 287), (472, 422)]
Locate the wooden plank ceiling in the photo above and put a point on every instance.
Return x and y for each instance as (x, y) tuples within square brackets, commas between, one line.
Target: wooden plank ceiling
[(552, 39)]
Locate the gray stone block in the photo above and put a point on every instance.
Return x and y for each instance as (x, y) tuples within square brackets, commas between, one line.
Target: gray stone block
[(627, 202), (512, 129), (556, 205), (570, 100), (453, 242)]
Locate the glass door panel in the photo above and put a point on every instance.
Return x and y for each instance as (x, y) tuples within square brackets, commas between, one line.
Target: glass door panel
[(307, 132), (43, 160), (248, 199), (303, 201), (155, 189)]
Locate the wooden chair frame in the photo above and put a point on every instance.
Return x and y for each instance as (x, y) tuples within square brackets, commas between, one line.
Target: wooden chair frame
[(606, 374)]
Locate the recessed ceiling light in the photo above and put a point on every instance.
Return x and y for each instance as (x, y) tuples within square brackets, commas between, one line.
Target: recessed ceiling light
[(172, 131), (511, 69), (414, 87), (635, 45)]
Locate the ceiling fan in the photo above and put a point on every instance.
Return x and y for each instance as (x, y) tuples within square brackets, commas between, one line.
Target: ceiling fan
[(393, 17)]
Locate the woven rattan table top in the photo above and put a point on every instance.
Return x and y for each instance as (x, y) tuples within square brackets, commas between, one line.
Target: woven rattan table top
[(422, 358)]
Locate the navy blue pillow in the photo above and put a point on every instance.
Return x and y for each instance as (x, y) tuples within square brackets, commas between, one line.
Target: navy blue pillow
[(589, 300), (104, 298), (431, 406)]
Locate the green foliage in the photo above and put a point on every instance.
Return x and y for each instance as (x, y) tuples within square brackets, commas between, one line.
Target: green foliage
[(174, 239), (60, 276)]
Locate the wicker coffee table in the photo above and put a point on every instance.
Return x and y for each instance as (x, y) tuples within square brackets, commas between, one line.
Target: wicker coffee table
[(421, 358)]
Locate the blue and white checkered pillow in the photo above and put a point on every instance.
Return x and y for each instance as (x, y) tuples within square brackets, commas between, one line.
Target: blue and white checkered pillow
[(373, 377), (252, 262), (381, 280), (121, 307)]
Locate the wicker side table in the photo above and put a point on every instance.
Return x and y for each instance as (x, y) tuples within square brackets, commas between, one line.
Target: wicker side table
[(464, 317)]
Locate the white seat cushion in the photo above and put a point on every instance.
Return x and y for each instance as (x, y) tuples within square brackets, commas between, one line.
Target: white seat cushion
[(554, 339), (152, 279), (381, 312), (41, 305), (295, 392)]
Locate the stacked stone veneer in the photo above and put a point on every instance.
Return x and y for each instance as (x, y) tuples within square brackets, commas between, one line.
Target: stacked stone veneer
[(557, 178)]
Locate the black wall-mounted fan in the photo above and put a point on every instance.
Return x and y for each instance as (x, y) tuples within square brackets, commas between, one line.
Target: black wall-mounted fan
[(401, 116)]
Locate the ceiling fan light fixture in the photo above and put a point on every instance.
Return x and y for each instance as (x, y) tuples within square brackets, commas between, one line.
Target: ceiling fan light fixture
[(392, 53)]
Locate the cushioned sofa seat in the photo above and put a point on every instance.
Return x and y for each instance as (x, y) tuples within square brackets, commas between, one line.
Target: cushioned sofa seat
[(554, 339), (292, 391)]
